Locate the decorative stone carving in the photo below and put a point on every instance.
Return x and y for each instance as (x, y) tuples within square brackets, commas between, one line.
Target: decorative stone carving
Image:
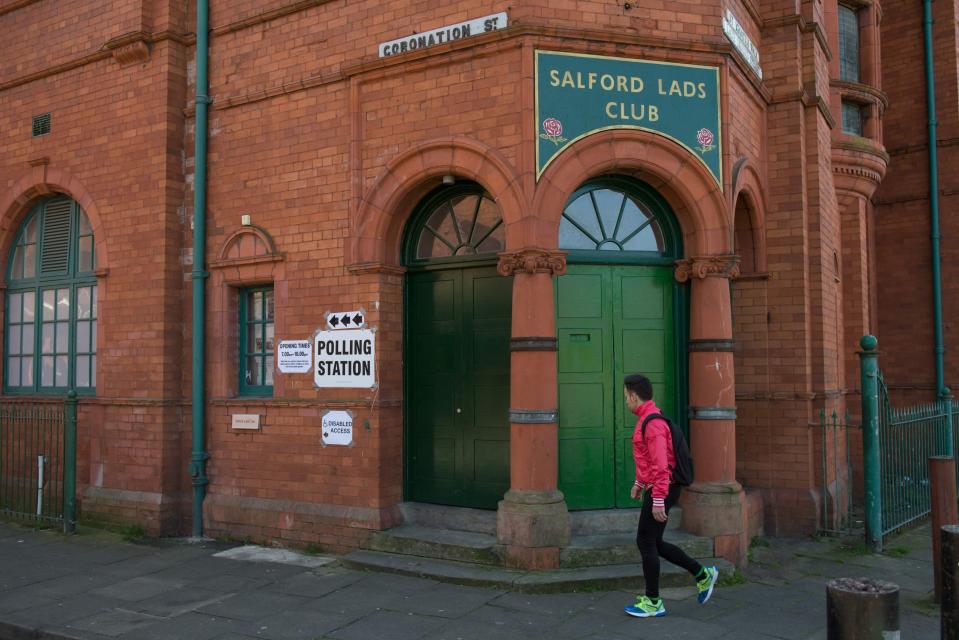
[(724, 266), (532, 260), (130, 48)]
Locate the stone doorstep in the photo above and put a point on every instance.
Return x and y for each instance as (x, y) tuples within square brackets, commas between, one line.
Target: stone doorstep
[(590, 522), (483, 549), (610, 577)]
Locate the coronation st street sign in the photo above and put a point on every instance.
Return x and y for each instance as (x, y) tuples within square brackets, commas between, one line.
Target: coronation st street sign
[(443, 35), (577, 95)]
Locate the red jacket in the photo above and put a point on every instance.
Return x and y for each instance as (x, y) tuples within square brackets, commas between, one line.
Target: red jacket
[(653, 455)]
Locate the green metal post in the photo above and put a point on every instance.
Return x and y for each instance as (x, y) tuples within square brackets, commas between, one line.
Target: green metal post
[(70, 462), (869, 371), (934, 198), (199, 456)]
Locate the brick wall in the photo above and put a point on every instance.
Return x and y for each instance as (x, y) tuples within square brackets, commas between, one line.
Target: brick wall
[(305, 120)]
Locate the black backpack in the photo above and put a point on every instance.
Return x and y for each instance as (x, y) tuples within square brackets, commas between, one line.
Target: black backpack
[(683, 472)]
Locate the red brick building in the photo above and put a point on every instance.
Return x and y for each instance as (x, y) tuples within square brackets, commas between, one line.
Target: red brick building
[(700, 213)]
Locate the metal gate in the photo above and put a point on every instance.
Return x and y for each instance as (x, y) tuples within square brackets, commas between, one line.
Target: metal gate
[(38, 460), (908, 437)]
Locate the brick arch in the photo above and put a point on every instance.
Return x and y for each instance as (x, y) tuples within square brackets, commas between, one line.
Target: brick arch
[(43, 180), (688, 187), (748, 188), (386, 206)]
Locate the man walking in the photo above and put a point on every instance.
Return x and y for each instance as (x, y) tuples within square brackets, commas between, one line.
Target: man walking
[(655, 459)]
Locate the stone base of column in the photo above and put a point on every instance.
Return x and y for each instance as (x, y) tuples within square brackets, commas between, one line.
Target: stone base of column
[(718, 511), (534, 526)]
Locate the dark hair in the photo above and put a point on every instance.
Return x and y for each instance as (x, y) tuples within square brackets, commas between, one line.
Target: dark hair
[(640, 385)]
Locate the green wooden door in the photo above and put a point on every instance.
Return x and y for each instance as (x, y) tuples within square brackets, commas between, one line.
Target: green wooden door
[(611, 320), (457, 367)]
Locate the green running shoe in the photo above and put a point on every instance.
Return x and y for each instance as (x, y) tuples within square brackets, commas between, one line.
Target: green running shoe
[(644, 608), (706, 585)]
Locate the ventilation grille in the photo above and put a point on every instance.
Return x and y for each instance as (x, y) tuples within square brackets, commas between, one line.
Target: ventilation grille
[(56, 237), (41, 125)]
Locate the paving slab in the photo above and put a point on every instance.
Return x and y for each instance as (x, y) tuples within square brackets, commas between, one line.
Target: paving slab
[(252, 605), (75, 587)]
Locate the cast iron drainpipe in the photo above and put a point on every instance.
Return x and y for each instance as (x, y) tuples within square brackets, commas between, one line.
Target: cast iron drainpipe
[(199, 456), (941, 391)]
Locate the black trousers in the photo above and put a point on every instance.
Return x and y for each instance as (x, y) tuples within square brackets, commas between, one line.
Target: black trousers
[(649, 539)]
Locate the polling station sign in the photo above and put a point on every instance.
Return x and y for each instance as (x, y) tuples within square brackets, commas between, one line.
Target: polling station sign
[(345, 359), (578, 95)]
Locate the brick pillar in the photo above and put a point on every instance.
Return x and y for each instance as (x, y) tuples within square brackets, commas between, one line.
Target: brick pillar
[(532, 519), (715, 505)]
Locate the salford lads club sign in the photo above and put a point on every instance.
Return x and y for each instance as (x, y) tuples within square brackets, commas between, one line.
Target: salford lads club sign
[(577, 95)]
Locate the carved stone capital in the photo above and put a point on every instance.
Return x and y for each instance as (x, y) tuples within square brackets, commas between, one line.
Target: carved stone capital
[(724, 266), (532, 260)]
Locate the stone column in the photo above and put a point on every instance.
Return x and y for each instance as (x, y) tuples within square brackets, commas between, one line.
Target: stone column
[(532, 519), (715, 505)]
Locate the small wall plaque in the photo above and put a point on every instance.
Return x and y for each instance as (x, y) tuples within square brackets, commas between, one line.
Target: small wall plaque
[(246, 421)]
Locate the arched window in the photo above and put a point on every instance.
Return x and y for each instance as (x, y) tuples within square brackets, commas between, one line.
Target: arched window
[(616, 215), (457, 222), (51, 302)]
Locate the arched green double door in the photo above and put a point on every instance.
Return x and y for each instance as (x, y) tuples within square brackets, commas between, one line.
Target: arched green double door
[(458, 313), (618, 311)]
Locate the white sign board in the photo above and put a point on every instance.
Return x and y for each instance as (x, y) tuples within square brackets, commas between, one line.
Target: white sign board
[(338, 428), (345, 359), (294, 356), (246, 421), (741, 40), (339, 320), (443, 35)]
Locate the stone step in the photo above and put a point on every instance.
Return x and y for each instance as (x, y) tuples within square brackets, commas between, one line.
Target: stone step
[(480, 548), (608, 577), (604, 521), (436, 516), (443, 544), (620, 549), (589, 522)]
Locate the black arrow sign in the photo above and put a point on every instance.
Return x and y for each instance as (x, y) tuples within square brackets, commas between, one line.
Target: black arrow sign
[(346, 320), (357, 319), (334, 321)]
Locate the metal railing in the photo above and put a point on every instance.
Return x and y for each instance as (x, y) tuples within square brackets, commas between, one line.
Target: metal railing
[(836, 473), (38, 460), (897, 444), (908, 437)]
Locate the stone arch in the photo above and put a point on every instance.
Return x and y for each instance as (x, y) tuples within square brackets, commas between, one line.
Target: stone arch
[(689, 188), (247, 244), (42, 180), (749, 198), (385, 208)]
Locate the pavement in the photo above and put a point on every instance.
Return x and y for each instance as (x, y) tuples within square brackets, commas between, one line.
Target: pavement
[(98, 585)]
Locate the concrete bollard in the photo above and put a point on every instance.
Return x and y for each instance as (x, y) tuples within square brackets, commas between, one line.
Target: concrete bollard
[(950, 582), (862, 609)]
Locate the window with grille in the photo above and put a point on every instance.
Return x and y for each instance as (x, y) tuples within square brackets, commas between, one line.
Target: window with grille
[(256, 341), (610, 216), (848, 44), (51, 302), (458, 222)]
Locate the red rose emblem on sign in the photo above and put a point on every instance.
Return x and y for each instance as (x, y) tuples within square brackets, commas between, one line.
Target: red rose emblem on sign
[(553, 131), (705, 138)]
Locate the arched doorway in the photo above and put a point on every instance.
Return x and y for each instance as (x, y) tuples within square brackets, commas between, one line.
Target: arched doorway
[(619, 310), (457, 320)]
